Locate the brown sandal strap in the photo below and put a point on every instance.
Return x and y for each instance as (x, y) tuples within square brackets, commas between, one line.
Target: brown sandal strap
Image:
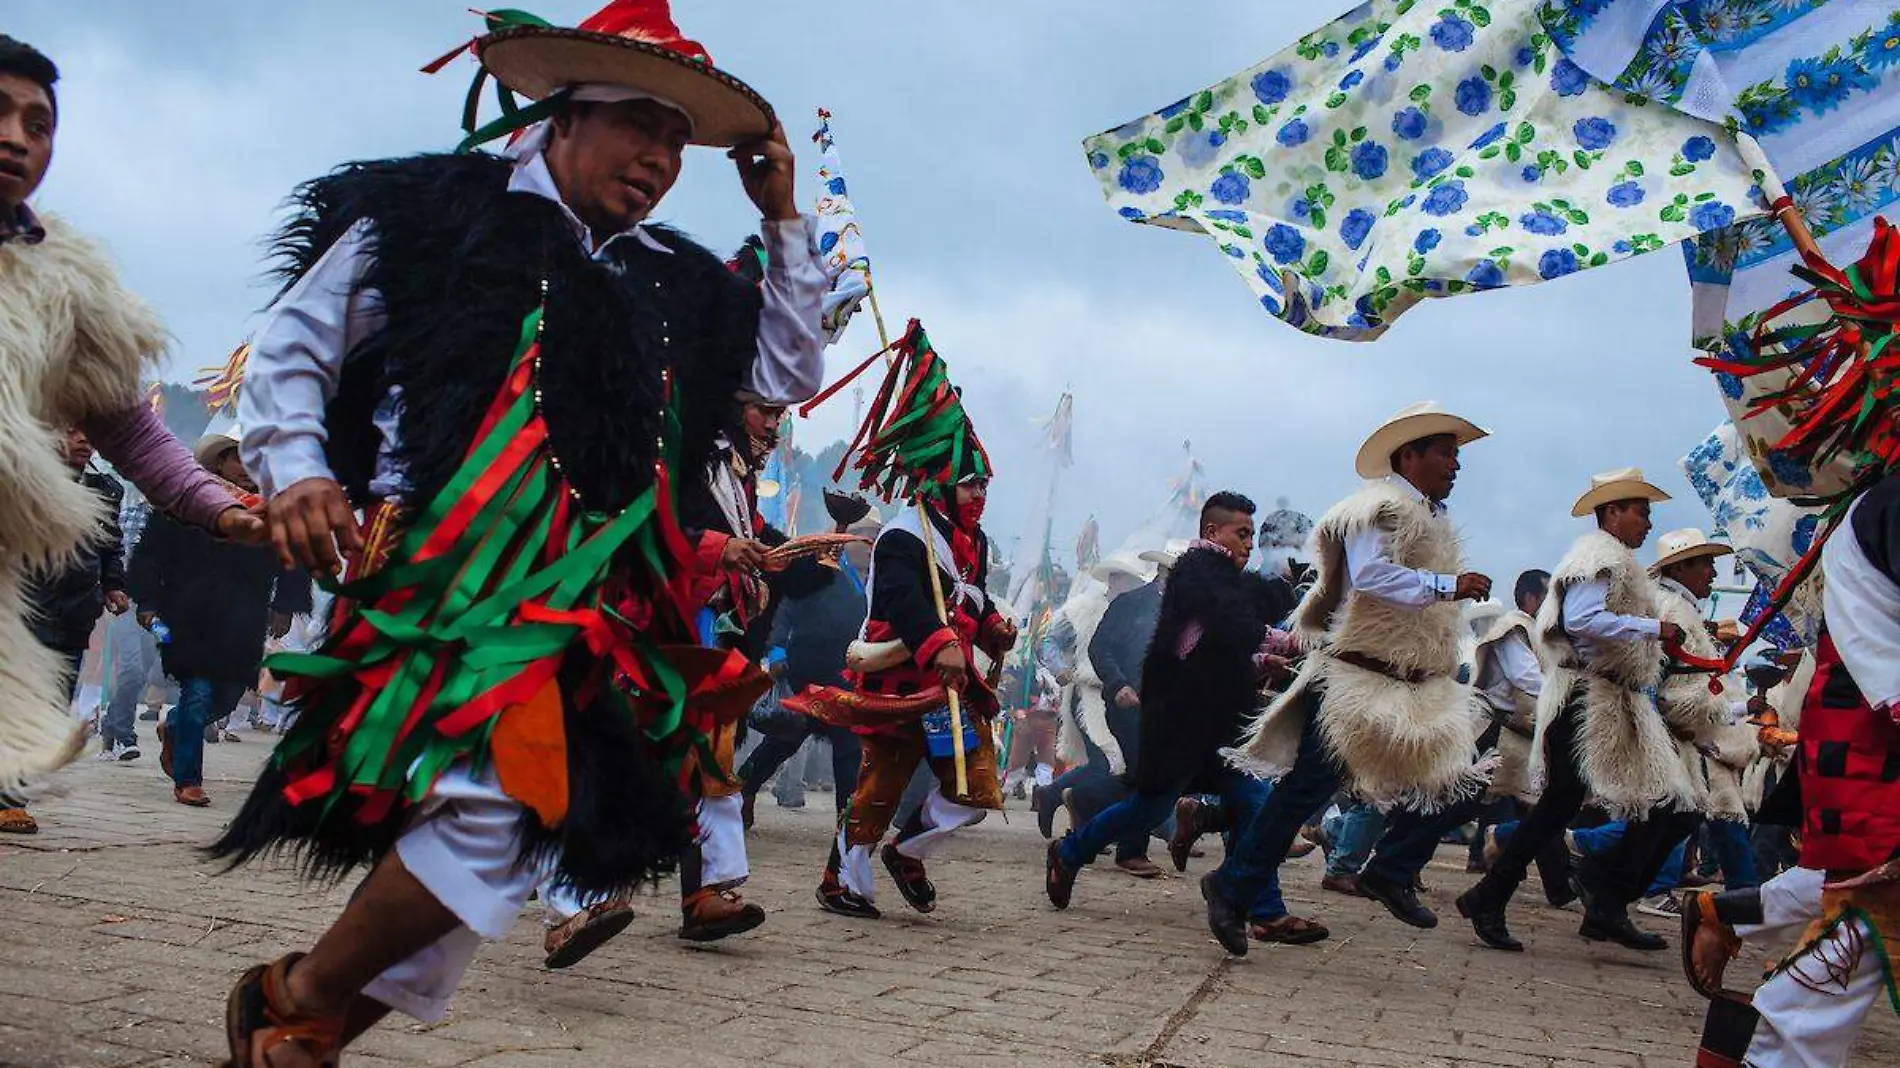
[(322, 1036)]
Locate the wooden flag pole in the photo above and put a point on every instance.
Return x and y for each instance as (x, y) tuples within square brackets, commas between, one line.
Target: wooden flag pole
[(943, 616)]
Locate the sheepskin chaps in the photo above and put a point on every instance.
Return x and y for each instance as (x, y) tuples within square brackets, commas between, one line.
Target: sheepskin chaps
[(73, 344), (1626, 753), (1401, 743), (1513, 776)]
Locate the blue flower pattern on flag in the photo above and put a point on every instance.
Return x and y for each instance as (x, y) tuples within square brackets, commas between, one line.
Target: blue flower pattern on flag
[(1407, 151)]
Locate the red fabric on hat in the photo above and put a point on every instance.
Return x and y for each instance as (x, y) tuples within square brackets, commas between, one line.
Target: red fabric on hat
[(650, 21)]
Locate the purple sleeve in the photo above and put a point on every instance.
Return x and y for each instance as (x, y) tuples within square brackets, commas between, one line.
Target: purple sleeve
[(136, 442)]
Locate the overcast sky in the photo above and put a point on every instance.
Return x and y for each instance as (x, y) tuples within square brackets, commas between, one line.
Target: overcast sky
[(184, 125)]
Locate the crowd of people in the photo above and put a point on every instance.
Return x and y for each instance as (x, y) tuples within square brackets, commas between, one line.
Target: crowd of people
[(519, 432)]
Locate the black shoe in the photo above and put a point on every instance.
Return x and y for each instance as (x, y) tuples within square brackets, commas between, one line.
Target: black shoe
[(912, 882), (1045, 802), (150, 715), (1561, 896), (1401, 901), (1058, 878), (1620, 930), (845, 903), (1487, 922), (1228, 925), (1187, 831)]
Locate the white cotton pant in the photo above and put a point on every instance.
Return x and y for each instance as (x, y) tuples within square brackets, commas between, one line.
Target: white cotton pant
[(1812, 1011), (463, 846), (722, 856), (941, 818)]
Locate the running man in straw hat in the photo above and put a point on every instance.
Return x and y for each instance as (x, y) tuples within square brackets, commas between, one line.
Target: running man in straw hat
[(1709, 721), (1599, 732), (1377, 704), (515, 375), (1102, 729)]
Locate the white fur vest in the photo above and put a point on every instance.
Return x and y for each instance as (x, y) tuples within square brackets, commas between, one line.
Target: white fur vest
[(1402, 742), (1084, 709), (1625, 751), (1513, 777), (73, 344)]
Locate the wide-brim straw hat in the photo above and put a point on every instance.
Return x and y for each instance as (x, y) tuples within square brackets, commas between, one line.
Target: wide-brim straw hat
[(210, 447), (647, 53), (1415, 422), (1687, 544), (1167, 554), (1609, 487), (1122, 564)]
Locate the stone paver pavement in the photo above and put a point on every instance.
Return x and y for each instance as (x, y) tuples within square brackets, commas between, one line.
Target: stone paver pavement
[(117, 944)]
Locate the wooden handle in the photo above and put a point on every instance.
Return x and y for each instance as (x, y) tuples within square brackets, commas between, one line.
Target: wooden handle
[(950, 694)]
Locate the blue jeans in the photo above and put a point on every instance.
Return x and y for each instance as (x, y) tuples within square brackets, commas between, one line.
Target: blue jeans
[(1133, 817), (1354, 831), (200, 701), (1250, 876), (1729, 840)]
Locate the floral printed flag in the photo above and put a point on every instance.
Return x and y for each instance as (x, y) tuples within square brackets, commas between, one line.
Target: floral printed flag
[(1817, 84), (1767, 533), (840, 242), (1415, 150)]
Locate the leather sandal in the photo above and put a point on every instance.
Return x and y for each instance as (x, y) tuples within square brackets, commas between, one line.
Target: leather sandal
[(1698, 915), (1289, 930), (258, 1019), (18, 821), (584, 932)]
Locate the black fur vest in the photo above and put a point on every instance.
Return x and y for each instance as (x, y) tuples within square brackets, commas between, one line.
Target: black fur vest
[(458, 262)]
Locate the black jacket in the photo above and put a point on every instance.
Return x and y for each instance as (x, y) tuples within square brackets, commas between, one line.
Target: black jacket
[(215, 596), (1116, 653), (66, 605), (1121, 639), (814, 630), (1192, 707)]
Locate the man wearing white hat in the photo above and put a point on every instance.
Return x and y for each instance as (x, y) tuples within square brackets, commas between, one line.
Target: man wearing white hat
[(1714, 739), (514, 374), (1377, 704), (1102, 729), (1598, 730)]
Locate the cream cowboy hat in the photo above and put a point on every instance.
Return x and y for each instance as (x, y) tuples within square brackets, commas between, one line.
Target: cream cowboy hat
[(1422, 420), (1612, 486), (1121, 564), (1166, 556), (1679, 545), (629, 43), (211, 447)]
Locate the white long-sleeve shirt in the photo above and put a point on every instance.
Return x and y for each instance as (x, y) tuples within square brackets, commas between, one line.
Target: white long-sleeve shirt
[(1589, 622), (1511, 664), (298, 350), (1862, 606), (1371, 570)]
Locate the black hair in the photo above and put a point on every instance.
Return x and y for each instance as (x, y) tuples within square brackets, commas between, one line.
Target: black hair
[(1226, 501), (23, 60), (1532, 583), (1417, 445)]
